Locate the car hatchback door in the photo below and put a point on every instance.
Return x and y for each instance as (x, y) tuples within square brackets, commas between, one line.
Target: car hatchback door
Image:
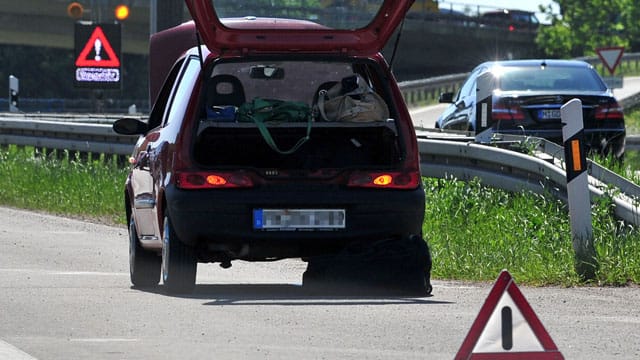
[(350, 28)]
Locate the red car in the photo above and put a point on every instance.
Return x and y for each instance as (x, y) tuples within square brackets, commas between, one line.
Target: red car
[(283, 136)]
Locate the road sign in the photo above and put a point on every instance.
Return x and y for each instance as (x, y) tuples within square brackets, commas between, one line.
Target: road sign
[(507, 328), (610, 57), (97, 55)]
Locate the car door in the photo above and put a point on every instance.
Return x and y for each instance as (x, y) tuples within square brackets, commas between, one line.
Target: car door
[(149, 169), (458, 115)]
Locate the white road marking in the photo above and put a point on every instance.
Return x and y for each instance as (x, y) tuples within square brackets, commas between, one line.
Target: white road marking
[(10, 352), (57, 272), (105, 340)]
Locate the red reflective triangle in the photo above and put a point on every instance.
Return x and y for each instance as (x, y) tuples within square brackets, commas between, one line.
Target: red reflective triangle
[(505, 290), (99, 44)]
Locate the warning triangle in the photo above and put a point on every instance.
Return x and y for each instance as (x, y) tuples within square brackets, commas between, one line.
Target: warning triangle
[(507, 328), (610, 57), (99, 46)]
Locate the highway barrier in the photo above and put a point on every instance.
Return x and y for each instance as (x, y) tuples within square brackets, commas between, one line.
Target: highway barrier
[(443, 155)]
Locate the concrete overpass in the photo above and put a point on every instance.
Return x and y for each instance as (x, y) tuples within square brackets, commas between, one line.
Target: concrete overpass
[(430, 45), (46, 22)]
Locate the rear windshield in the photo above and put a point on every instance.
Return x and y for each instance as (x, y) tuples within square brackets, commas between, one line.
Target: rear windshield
[(336, 14), (282, 80), (549, 78)]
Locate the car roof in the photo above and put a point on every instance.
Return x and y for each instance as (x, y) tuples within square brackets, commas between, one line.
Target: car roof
[(535, 63), (507, 11), (352, 28)]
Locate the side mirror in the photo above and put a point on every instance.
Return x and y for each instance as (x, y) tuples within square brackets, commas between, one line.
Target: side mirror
[(446, 98), (130, 126)]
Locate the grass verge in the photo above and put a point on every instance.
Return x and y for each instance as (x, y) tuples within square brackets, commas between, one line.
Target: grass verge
[(58, 183), (475, 232)]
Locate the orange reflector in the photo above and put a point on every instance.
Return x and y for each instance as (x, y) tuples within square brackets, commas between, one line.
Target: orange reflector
[(216, 180), (383, 180), (575, 153)]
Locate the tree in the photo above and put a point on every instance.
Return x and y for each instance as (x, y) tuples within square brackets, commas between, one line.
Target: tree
[(583, 26)]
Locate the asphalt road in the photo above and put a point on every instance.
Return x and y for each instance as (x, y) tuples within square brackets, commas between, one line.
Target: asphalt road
[(65, 294)]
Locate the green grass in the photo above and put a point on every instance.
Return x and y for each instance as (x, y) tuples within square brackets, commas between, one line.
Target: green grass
[(60, 184), (474, 232)]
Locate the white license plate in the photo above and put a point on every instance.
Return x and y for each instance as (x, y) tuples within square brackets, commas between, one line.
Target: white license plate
[(298, 219), (548, 114)]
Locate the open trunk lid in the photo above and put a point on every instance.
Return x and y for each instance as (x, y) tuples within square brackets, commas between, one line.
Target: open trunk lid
[(349, 27)]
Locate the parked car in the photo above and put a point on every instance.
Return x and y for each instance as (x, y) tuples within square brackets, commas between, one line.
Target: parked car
[(526, 96), (512, 20), (210, 183)]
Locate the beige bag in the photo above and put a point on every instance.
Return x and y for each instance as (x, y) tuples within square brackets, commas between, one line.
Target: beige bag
[(359, 105)]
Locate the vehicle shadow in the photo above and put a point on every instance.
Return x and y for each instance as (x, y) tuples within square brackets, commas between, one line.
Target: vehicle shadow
[(295, 295)]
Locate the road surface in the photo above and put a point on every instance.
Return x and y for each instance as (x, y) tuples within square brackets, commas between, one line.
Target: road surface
[(65, 294)]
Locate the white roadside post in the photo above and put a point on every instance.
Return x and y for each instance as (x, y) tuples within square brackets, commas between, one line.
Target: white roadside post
[(578, 189), (484, 92), (14, 92)]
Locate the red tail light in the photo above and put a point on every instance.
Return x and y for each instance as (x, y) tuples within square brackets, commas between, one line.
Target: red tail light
[(502, 110), (385, 180), (212, 180), (609, 111)]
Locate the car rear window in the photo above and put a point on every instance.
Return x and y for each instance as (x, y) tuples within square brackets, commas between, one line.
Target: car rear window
[(284, 80), (344, 15), (549, 78)]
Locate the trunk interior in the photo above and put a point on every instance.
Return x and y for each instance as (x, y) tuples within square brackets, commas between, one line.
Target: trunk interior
[(330, 145)]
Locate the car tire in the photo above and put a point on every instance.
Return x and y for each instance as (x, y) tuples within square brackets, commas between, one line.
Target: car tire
[(144, 265), (414, 274), (179, 262)]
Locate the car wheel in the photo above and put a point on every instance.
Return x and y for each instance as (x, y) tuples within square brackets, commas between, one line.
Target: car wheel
[(144, 265), (179, 263), (417, 270)]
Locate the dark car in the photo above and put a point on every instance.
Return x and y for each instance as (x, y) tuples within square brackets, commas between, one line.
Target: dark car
[(512, 20), (218, 177), (525, 99)]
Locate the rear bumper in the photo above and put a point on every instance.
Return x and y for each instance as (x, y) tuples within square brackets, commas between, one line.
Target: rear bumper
[(210, 218)]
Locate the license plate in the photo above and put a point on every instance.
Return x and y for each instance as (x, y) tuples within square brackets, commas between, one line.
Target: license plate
[(298, 219), (549, 114)]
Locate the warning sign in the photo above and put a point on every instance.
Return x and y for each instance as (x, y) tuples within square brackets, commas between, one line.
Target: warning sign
[(610, 57), (507, 328), (97, 63)]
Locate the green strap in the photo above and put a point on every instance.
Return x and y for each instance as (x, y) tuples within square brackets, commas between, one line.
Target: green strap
[(272, 144), (285, 111)]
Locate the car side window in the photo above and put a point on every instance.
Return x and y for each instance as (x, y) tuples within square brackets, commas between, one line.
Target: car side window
[(158, 110), (182, 92), (469, 87)]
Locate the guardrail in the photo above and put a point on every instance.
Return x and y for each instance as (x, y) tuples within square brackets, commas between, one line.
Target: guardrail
[(541, 172), (83, 133), (442, 156)]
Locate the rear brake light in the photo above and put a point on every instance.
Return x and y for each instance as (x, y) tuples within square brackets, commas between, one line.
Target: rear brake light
[(502, 110), (385, 180), (212, 180), (610, 111)]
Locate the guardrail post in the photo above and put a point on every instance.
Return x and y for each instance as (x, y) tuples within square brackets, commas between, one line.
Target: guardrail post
[(578, 189)]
